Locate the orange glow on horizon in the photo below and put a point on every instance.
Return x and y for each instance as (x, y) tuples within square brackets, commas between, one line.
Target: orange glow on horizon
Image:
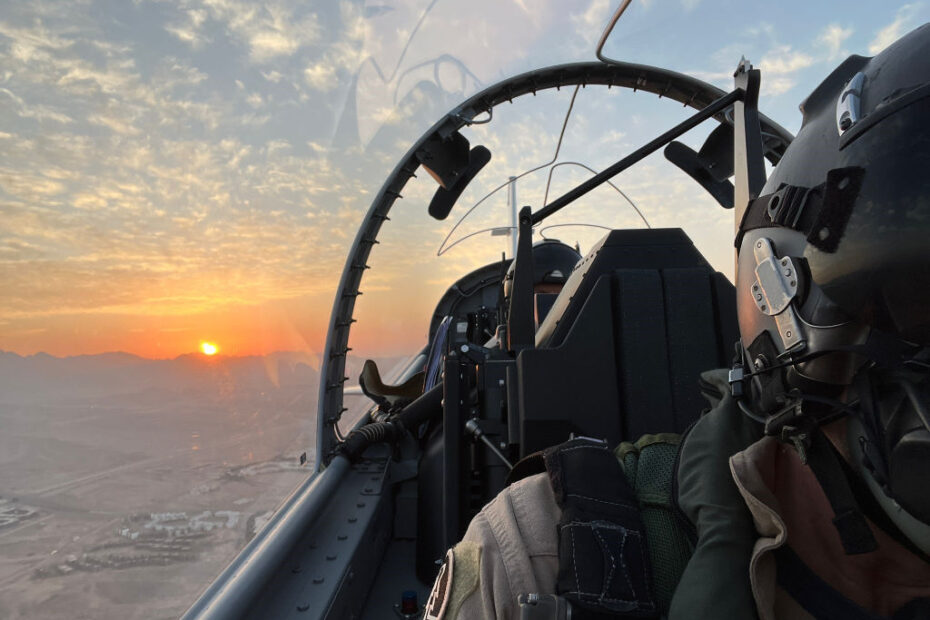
[(208, 348), (392, 328)]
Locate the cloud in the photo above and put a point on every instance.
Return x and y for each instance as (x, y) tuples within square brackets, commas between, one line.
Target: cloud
[(893, 31), (255, 100), (88, 201), (779, 67), (832, 37), (784, 61), (115, 124), (170, 189), (187, 35), (30, 187), (321, 76), (778, 85), (590, 23), (32, 42), (783, 66), (270, 31), (37, 111), (177, 73), (82, 77), (267, 44), (189, 30)]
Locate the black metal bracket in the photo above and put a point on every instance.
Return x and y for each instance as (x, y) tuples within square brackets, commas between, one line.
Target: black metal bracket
[(715, 107), (521, 327), (453, 423)]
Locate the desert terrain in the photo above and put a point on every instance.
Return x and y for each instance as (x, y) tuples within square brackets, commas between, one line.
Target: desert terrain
[(127, 484)]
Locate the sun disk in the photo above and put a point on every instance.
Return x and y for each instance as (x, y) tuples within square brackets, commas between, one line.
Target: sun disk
[(208, 348)]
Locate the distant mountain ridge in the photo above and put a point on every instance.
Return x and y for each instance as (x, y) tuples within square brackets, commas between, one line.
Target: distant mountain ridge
[(43, 377)]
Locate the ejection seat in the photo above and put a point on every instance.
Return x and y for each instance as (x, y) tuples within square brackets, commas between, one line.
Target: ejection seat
[(617, 356), (620, 352)]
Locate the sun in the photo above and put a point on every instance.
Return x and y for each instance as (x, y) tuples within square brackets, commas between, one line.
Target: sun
[(208, 348)]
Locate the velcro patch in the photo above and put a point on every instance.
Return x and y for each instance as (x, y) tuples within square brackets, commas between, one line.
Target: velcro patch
[(439, 595)]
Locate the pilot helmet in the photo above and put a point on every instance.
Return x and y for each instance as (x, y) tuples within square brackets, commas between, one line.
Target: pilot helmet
[(833, 272), (553, 262)]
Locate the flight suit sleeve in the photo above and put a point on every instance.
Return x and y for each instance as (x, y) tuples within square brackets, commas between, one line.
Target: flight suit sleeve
[(510, 548), (710, 499)]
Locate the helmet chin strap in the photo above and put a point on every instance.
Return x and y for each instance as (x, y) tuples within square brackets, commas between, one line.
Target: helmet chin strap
[(917, 532)]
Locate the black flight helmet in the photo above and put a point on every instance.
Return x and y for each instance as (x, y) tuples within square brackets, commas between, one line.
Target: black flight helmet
[(833, 269), (849, 207), (553, 262)]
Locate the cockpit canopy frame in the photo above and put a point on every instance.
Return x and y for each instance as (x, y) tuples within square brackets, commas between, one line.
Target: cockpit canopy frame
[(685, 89)]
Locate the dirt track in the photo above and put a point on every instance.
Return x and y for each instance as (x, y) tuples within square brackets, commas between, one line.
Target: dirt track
[(122, 510)]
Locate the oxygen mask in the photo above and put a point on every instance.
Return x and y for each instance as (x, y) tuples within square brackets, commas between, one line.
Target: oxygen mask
[(892, 434)]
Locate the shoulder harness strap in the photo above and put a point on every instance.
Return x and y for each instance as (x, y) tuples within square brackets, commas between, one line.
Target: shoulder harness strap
[(604, 566), (813, 593)]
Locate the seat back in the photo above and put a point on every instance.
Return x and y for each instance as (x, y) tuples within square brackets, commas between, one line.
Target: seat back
[(619, 353)]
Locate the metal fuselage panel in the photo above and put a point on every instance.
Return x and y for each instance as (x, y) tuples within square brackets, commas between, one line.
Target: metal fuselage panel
[(330, 570)]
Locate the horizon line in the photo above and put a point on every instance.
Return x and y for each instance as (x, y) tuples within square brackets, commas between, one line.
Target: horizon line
[(197, 354)]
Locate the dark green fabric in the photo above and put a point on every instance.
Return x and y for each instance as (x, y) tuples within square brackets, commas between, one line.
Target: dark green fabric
[(649, 468), (715, 583)]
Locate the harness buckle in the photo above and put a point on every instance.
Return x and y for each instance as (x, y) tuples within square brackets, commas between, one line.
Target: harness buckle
[(544, 607)]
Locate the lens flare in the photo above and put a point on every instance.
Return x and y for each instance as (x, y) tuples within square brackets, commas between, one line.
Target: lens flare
[(208, 348)]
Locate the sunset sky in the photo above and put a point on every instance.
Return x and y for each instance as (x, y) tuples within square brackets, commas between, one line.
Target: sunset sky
[(180, 172)]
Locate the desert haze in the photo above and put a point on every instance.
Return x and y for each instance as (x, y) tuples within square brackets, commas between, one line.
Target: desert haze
[(126, 484)]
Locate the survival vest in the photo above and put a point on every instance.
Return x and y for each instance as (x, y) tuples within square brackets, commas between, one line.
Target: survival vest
[(622, 547), (709, 577), (686, 575)]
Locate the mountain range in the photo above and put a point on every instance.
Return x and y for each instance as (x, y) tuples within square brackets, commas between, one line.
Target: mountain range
[(45, 378)]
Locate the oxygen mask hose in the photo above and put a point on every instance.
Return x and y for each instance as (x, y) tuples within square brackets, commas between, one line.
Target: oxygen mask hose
[(423, 409)]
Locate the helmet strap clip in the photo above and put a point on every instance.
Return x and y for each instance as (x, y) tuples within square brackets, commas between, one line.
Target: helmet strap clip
[(790, 425), (735, 379)]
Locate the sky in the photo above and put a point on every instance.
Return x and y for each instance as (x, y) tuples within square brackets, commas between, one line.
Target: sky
[(173, 172)]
